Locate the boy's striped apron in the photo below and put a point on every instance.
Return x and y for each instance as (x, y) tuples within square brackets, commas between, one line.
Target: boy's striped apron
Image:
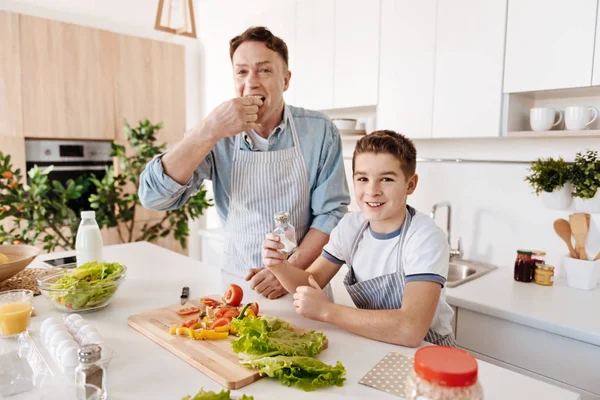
[(385, 292)]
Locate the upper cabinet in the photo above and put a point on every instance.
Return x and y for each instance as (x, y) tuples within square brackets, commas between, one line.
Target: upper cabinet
[(467, 98), (549, 44), (406, 66), (11, 115), (150, 84), (66, 87), (356, 47), (312, 76)]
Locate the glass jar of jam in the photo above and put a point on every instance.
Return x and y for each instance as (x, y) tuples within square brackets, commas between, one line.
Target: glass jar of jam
[(538, 257), (524, 266), (544, 275)]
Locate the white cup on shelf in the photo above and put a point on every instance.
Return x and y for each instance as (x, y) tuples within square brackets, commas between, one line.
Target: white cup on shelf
[(544, 118), (579, 117)]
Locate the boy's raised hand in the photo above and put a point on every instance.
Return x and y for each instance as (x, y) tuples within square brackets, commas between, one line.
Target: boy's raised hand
[(272, 258), (311, 302)]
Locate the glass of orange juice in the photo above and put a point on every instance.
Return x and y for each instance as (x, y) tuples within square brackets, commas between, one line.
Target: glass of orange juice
[(15, 311)]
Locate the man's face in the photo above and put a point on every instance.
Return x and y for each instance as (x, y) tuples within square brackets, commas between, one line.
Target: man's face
[(262, 72), (381, 189)]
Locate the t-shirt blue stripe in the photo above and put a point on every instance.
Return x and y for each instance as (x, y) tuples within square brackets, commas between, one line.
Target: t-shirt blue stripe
[(332, 258), (426, 277)]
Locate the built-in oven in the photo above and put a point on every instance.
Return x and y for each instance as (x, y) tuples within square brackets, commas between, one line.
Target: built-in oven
[(71, 159)]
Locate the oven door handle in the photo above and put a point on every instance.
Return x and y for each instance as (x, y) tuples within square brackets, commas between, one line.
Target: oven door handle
[(80, 168)]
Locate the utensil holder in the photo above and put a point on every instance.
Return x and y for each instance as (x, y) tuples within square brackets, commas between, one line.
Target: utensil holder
[(581, 274)]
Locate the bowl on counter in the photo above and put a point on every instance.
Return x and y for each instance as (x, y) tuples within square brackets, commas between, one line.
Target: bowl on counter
[(81, 296), (19, 257), (344, 124)]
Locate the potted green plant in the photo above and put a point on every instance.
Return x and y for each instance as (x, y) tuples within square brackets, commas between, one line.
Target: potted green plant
[(585, 176), (550, 180)]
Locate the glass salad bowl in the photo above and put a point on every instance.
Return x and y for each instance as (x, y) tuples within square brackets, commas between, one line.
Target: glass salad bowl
[(89, 287)]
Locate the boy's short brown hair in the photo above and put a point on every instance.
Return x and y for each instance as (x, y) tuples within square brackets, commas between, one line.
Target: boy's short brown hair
[(263, 35), (389, 142)]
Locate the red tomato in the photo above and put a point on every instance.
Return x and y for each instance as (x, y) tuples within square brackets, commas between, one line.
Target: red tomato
[(231, 313), (189, 323), (254, 308), (220, 322), (233, 296), (187, 310), (210, 302)]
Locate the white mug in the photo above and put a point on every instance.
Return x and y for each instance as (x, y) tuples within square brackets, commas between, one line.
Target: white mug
[(579, 117), (542, 118)]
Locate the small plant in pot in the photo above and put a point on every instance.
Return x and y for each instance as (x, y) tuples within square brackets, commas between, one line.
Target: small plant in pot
[(585, 176), (550, 180)]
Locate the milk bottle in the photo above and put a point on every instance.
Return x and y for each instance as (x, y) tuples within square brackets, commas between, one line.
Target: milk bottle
[(88, 243)]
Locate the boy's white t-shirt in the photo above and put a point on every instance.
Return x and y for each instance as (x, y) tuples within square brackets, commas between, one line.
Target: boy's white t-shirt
[(425, 256)]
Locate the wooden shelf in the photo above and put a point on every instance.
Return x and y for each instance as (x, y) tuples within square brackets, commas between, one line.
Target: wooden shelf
[(555, 134)]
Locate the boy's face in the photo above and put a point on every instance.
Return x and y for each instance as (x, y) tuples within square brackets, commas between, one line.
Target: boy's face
[(381, 189)]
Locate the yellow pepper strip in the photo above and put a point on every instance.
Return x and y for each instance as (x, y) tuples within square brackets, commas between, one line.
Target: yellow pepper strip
[(173, 330), (232, 330), (196, 326), (224, 328), (198, 334), (250, 313), (212, 335)]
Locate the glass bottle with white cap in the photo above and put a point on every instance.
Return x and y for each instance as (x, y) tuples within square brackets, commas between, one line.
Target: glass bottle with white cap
[(88, 243), (286, 232)]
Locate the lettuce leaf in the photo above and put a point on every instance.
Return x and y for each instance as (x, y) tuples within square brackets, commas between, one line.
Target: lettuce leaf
[(271, 336), (305, 373), (210, 395)]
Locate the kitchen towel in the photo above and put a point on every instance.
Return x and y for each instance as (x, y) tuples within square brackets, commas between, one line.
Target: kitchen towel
[(389, 374)]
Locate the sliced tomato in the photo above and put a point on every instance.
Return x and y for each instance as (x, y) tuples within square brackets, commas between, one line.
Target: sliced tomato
[(210, 302), (220, 322), (234, 295), (254, 308), (230, 313), (189, 323), (187, 310)]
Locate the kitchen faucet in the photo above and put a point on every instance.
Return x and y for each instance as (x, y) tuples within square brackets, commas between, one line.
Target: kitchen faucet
[(454, 253)]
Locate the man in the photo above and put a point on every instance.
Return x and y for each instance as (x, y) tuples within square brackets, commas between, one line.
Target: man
[(263, 156)]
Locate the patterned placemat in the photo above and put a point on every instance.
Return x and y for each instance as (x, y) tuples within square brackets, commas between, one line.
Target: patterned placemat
[(23, 280), (389, 374)]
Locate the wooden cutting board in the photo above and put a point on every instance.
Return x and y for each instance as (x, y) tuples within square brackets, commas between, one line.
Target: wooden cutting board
[(215, 358)]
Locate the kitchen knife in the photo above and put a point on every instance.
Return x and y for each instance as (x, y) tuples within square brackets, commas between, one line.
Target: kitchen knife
[(185, 293)]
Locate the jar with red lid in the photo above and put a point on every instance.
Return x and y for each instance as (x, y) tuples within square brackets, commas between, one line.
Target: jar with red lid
[(443, 373)]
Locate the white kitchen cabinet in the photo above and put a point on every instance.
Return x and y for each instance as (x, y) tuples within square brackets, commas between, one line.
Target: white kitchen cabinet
[(406, 66), (312, 76), (566, 360), (596, 69), (356, 39), (549, 44), (467, 97), (220, 21)]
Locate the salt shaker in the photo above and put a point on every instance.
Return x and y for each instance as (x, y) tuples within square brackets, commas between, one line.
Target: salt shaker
[(286, 232), (90, 370)]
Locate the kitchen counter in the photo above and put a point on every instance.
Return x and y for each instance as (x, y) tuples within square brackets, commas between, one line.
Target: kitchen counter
[(558, 309), (144, 370)]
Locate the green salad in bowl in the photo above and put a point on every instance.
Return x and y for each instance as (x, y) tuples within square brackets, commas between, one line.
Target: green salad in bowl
[(88, 287)]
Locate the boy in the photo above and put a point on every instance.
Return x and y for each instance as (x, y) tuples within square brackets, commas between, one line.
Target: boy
[(397, 257)]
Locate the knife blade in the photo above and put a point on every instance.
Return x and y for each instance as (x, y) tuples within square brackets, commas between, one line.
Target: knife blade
[(185, 293)]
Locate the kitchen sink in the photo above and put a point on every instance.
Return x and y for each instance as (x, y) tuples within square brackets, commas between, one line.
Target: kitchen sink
[(461, 271)]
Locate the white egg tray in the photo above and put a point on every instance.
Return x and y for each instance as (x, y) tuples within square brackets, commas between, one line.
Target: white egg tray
[(48, 358)]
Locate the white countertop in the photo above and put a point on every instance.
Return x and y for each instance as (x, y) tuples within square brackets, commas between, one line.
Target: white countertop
[(558, 309), (145, 370)]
